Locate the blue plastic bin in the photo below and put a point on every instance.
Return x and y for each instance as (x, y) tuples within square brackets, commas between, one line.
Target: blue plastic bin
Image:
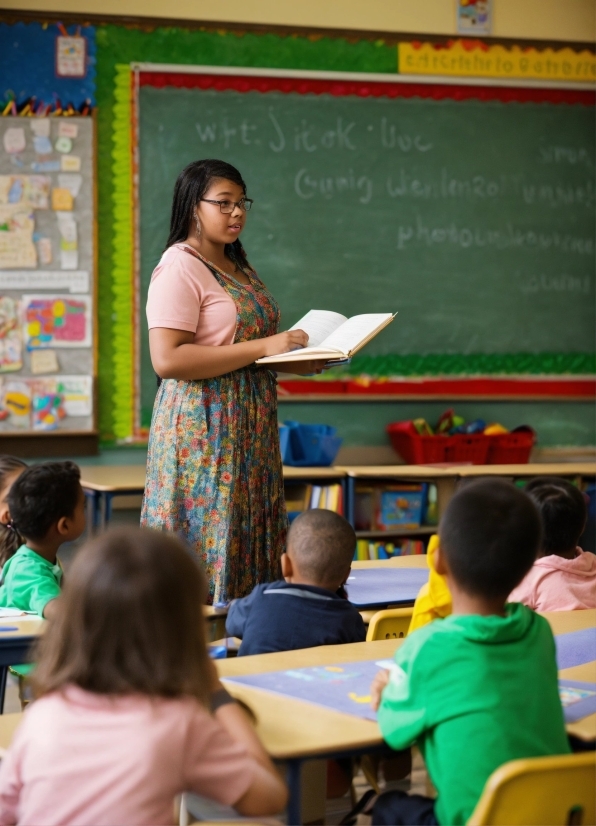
[(284, 441), (311, 445)]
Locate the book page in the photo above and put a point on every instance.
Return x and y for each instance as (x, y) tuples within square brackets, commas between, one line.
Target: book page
[(355, 331), (318, 324)]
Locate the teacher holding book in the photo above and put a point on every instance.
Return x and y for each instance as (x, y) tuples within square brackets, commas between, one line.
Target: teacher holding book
[(214, 472)]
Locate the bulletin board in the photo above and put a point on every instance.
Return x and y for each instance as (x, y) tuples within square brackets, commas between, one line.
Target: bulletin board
[(47, 276)]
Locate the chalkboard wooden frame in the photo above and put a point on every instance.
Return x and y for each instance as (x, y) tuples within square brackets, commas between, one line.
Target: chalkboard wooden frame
[(243, 79)]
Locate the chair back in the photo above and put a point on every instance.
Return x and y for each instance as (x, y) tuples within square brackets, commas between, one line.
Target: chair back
[(393, 623), (541, 791)]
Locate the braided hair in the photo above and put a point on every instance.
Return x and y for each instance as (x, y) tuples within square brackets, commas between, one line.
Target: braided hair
[(10, 539), (191, 185)]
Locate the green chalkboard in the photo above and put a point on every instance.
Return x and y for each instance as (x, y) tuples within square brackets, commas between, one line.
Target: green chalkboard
[(474, 220)]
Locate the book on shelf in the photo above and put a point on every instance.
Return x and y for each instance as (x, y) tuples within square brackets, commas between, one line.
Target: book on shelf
[(332, 336), (368, 549), (306, 496)]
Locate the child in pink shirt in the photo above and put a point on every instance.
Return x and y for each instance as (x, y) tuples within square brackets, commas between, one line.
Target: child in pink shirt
[(130, 711), (563, 578)]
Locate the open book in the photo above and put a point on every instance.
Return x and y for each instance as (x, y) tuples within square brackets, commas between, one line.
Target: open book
[(332, 336)]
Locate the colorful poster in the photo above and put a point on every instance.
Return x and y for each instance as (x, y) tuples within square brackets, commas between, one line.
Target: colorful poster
[(11, 343), (56, 321), (474, 16), (77, 393), (17, 249), (71, 56), (15, 409), (47, 405), (26, 190)]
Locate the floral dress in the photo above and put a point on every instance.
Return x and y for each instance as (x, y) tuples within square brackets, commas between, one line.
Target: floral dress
[(214, 471)]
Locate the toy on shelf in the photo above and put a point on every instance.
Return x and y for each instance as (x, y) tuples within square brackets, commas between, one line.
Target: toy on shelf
[(454, 440)]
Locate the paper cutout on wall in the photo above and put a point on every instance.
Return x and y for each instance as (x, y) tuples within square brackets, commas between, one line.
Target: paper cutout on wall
[(474, 17), (14, 140), (40, 127), (45, 166), (71, 182), (71, 56), (17, 249), (47, 405), (56, 321), (69, 256), (62, 199), (11, 342), (42, 145), (44, 251), (44, 362), (77, 392), (66, 129), (15, 409), (27, 190), (70, 163), (74, 282), (63, 145)]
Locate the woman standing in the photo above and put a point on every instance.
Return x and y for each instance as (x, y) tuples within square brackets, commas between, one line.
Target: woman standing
[(214, 473)]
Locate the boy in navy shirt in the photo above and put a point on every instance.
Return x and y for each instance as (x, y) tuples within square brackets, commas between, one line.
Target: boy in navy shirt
[(304, 609)]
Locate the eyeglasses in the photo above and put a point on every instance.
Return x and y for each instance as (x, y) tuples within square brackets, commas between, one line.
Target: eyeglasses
[(228, 206)]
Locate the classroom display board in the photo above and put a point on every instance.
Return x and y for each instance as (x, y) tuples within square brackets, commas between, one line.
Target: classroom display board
[(47, 275), (473, 218)]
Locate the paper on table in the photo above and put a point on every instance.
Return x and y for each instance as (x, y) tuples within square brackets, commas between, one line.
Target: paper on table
[(16, 612), (318, 324)]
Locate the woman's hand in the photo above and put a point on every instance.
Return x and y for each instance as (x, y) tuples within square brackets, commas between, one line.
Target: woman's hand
[(284, 342), (376, 689)]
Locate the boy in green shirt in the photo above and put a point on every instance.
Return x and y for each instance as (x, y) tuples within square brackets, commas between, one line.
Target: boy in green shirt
[(47, 509), (459, 686)]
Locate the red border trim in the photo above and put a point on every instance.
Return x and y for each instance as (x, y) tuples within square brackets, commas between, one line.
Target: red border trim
[(581, 389), (359, 88)]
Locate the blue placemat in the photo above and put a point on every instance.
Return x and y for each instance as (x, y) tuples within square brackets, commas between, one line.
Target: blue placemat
[(344, 687), (578, 699), (379, 587), (576, 648)]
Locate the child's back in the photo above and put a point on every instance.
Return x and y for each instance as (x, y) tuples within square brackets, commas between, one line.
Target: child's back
[(465, 699), (92, 758), (563, 578), (130, 712), (478, 688), (305, 610)]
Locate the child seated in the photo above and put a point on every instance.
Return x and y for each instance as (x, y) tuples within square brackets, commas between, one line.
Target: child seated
[(563, 578), (47, 509), (459, 686), (129, 710), (304, 609)]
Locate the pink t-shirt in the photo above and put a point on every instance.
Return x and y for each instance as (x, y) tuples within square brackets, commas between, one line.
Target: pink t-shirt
[(557, 584), (81, 758), (185, 295)]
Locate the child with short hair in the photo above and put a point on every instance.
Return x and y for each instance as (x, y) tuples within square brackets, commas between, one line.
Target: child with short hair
[(47, 509), (129, 711), (458, 686), (563, 578), (304, 609)]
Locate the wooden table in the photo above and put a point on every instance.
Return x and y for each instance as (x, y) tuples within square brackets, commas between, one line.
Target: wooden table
[(293, 731), (102, 483), (16, 638)]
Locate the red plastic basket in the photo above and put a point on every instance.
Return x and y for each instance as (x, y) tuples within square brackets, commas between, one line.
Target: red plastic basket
[(468, 448), (413, 448), (511, 448)]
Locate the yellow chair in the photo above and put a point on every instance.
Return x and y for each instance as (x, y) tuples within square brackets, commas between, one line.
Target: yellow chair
[(390, 624), (542, 791)]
